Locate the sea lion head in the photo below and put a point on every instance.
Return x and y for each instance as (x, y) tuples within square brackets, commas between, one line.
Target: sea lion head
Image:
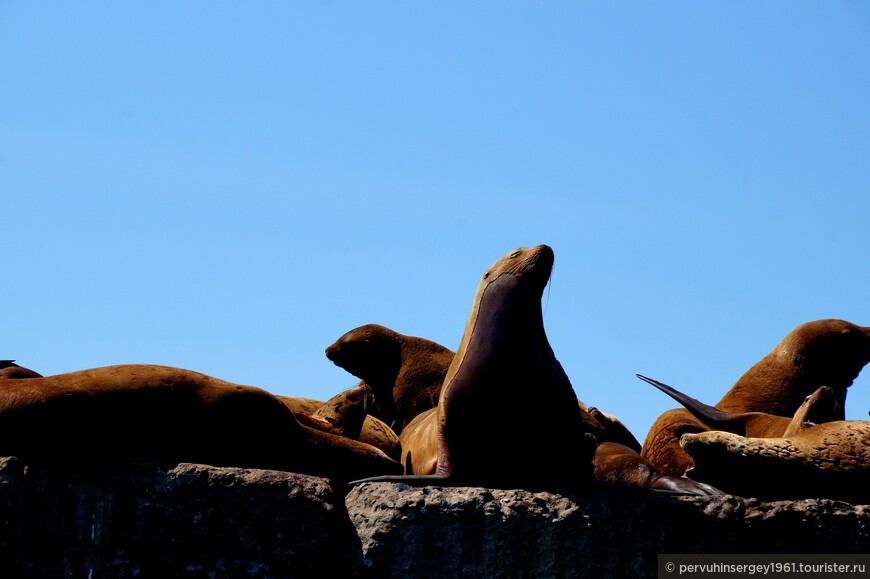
[(370, 352), (532, 264), (829, 352), (714, 454), (819, 407), (507, 306)]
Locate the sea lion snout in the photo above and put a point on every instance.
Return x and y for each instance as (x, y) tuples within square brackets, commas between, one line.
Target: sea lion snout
[(830, 351), (533, 264)]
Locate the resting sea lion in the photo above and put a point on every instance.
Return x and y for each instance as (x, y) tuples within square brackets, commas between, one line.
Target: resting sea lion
[(342, 415), (508, 416), (374, 431), (830, 460), (136, 413), (405, 372), (819, 353), (608, 428), (9, 369), (620, 465)]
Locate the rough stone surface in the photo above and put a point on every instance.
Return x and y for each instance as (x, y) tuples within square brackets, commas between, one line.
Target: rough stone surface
[(202, 521), (164, 521), (473, 532)]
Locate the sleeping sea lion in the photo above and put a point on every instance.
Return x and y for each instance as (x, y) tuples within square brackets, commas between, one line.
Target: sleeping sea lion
[(508, 416), (405, 372), (620, 465), (830, 460), (145, 413), (325, 416), (818, 353), (343, 414)]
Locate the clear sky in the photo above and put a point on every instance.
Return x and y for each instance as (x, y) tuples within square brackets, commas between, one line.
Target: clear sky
[(229, 187)]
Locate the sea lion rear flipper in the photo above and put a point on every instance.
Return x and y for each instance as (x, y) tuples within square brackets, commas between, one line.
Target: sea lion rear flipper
[(420, 480), (709, 415), (683, 486)]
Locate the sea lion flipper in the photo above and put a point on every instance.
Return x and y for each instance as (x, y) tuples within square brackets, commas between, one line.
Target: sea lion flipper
[(683, 486), (410, 480), (707, 414)]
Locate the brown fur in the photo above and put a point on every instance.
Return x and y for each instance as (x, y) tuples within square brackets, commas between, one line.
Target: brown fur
[(508, 416), (405, 372), (9, 369), (343, 414), (420, 444), (608, 428), (830, 460), (374, 431), (819, 353), (134, 413), (618, 464)]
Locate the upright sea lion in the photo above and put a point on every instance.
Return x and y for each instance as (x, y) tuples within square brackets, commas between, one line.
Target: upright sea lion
[(830, 460), (405, 372), (615, 462), (818, 353), (508, 416), (420, 448), (136, 413), (9, 369)]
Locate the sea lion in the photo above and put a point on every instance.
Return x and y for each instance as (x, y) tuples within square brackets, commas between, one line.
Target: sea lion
[(818, 408), (405, 372), (818, 353), (343, 414), (830, 460), (9, 369), (145, 413), (608, 428), (374, 431), (620, 465), (616, 461), (508, 416)]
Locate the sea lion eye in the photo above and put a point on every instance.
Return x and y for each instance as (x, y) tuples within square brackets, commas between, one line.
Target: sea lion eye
[(486, 275), (515, 253)]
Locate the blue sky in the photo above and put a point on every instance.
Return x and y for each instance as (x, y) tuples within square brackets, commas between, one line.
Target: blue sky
[(230, 188)]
